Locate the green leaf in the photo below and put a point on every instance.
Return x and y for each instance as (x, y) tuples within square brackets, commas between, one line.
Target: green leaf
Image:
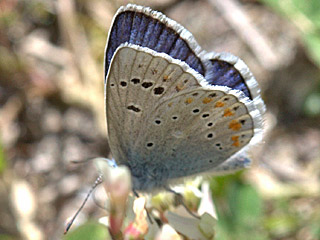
[(220, 184), (249, 206), (306, 16), (242, 217), (315, 229), (312, 104), (313, 43), (281, 225), (7, 237), (90, 230)]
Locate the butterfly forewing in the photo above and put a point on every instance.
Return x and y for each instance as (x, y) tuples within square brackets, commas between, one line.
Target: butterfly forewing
[(136, 83), (147, 28)]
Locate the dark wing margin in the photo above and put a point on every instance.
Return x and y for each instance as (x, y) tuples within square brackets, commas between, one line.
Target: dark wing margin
[(147, 28), (223, 73)]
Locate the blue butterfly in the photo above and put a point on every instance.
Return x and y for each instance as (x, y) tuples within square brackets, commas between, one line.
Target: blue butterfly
[(174, 110)]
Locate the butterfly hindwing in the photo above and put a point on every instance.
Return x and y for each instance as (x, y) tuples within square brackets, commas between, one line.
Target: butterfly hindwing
[(198, 130)]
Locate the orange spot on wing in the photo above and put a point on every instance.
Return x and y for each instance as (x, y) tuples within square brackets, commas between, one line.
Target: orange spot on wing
[(165, 78), (207, 100), (179, 88), (228, 113), (170, 104), (235, 140), (219, 104), (235, 125), (188, 100)]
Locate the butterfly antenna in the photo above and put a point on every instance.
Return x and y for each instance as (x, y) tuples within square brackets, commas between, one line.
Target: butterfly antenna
[(181, 201), (96, 183)]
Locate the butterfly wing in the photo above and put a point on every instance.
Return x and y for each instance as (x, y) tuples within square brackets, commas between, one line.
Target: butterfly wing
[(137, 82), (225, 69), (145, 27), (166, 122)]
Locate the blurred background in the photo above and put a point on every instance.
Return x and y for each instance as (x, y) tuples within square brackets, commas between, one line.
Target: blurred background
[(52, 112)]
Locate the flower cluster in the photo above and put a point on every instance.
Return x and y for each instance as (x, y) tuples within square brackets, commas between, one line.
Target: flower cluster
[(160, 216)]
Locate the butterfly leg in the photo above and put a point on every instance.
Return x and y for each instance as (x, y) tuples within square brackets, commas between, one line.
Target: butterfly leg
[(181, 201), (135, 193), (234, 164)]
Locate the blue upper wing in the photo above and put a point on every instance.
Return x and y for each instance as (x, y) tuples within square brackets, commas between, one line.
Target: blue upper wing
[(147, 28)]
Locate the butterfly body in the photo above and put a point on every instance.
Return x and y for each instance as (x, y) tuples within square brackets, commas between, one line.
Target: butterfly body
[(169, 113)]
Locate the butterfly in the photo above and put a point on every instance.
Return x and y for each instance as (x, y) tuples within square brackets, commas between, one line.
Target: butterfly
[(174, 110)]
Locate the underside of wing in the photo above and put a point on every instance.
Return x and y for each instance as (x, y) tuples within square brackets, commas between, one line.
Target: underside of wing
[(165, 122), (195, 131), (139, 80)]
